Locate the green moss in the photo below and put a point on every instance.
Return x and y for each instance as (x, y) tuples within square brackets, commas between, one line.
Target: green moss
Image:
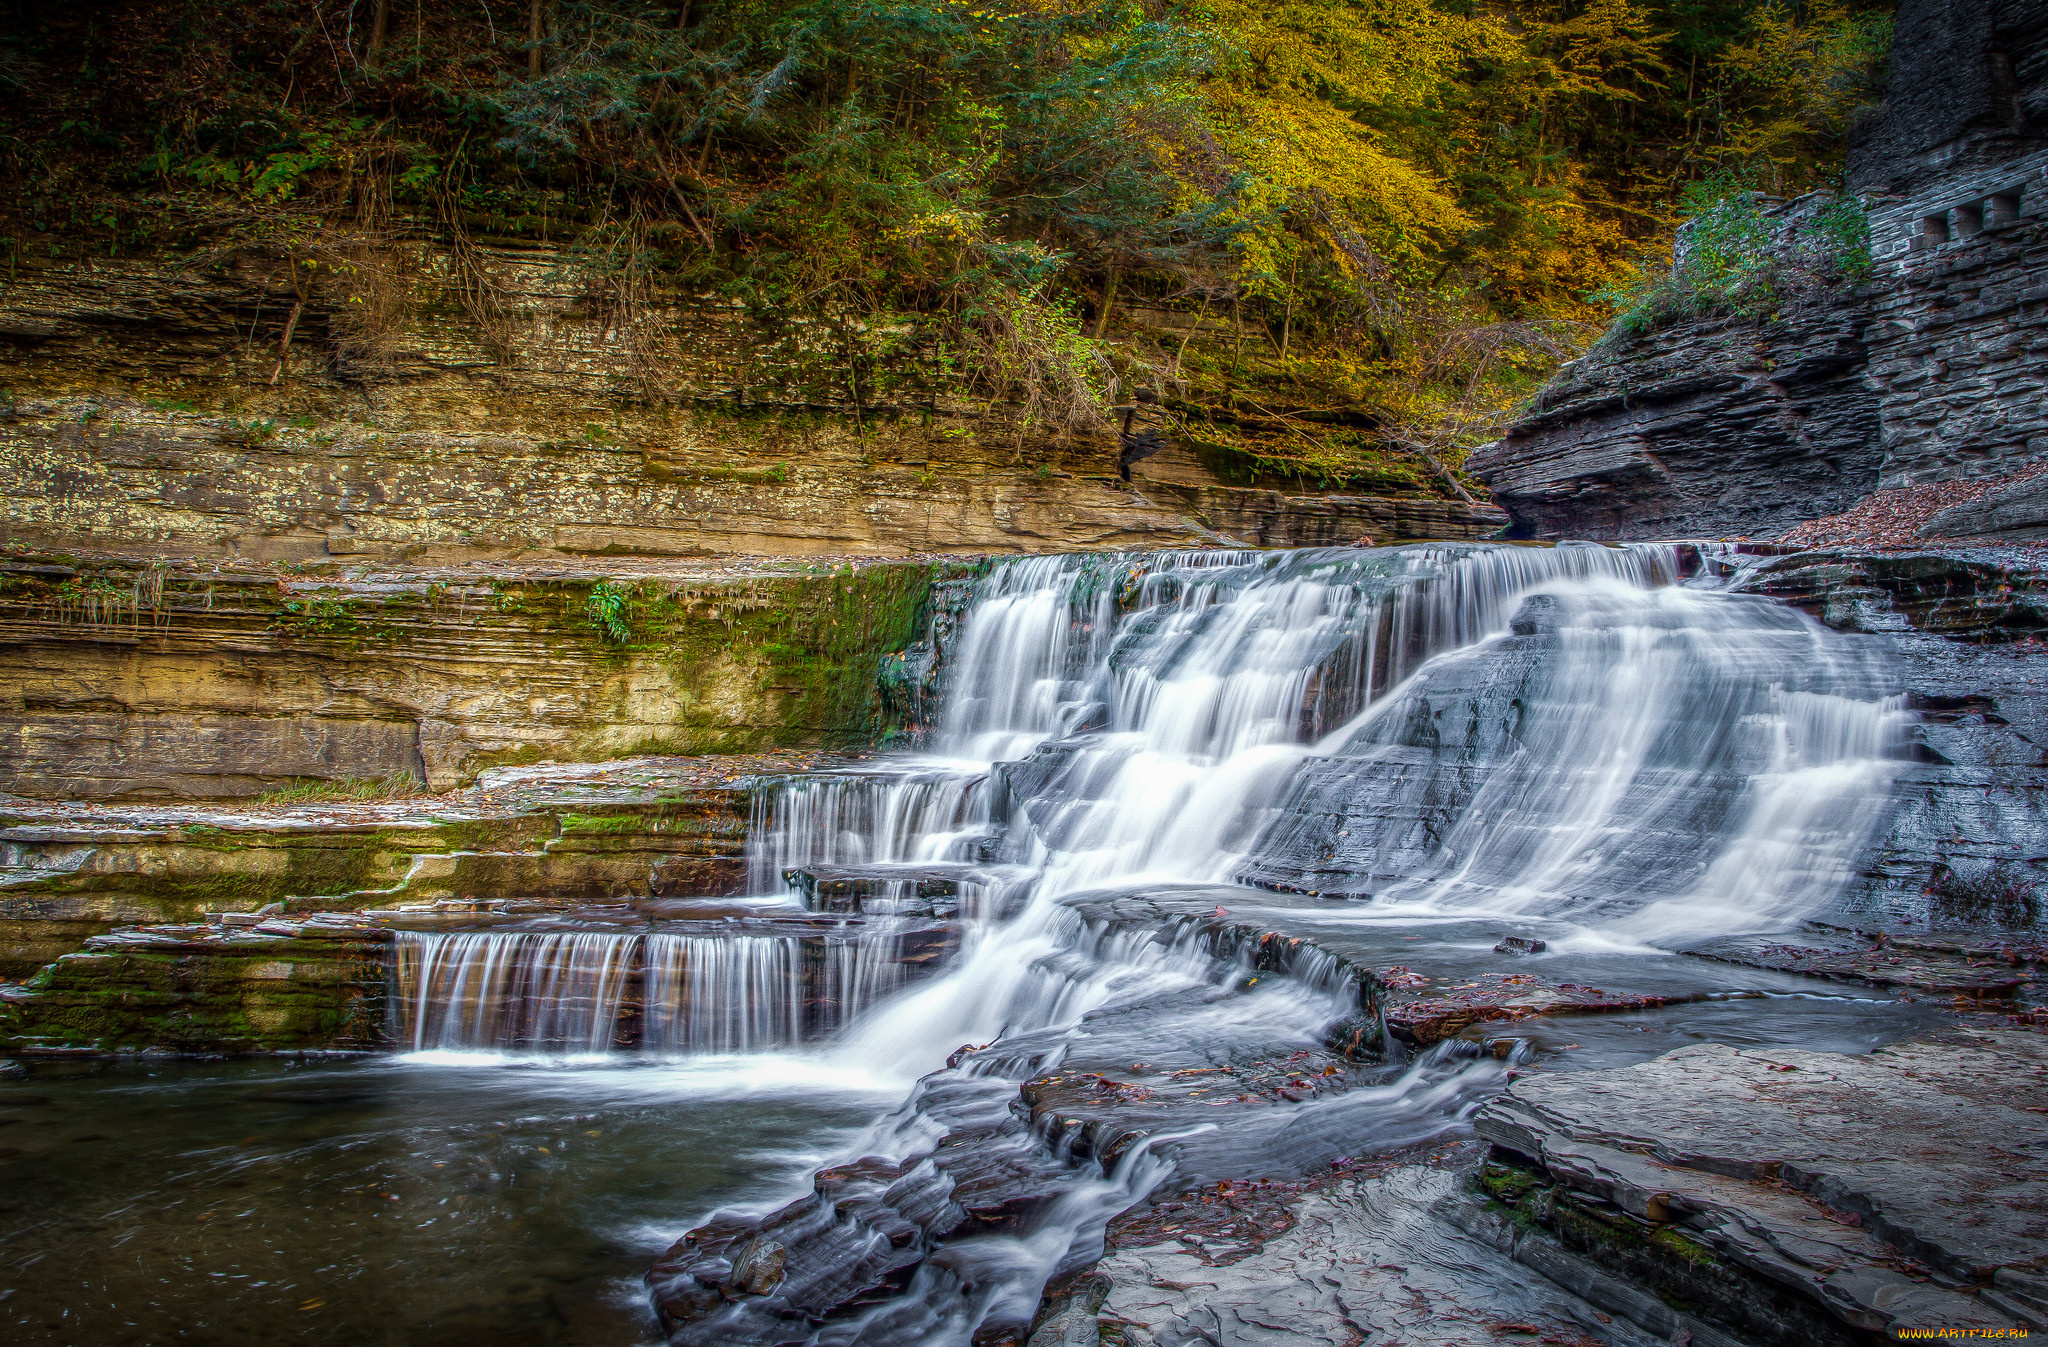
[(1684, 1248), (603, 823), (1508, 1183)]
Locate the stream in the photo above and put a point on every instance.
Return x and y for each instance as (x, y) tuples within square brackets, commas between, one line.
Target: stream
[(1398, 757)]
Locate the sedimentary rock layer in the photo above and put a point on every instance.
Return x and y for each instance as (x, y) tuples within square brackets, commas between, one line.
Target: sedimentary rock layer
[(1894, 1191), (181, 680), (157, 402), (1929, 369), (68, 873), (1703, 430)]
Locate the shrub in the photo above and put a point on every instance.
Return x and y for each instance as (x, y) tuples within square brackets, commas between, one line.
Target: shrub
[(1743, 255)]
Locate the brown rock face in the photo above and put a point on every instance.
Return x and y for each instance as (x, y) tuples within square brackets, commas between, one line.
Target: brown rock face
[(670, 828), (186, 681), (155, 403)]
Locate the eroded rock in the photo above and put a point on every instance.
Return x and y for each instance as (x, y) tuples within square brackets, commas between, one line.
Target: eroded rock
[(1895, 1190)]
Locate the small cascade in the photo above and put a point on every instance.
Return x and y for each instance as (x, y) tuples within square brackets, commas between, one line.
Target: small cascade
[(904, 814), (659, 992), (533, 991), (710, 994), (858, 974)]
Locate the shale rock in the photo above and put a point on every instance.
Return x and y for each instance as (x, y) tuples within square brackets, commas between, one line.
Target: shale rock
[(318, 984), (2015, 513), (560, 434), (1364, 1259), (1899, 1190), (1708, 429), (1930, 370), (156, 680), (1962, 841), (1996, 971)]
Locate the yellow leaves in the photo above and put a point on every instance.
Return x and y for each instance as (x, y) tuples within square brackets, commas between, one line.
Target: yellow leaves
[(1296, 144), (949, 224), (1348, 51), (1603, 49), (1798, 75), (1291, 101)]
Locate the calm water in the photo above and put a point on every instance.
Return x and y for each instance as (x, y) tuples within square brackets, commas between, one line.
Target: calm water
[(409, 1201)]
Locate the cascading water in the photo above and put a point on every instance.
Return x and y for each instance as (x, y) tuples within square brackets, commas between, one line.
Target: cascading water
[(1555, 737), (551, 991), (1528, 733), (660, 993)]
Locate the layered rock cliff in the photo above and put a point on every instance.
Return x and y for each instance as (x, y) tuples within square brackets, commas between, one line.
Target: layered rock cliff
[(1932, 370), (166, 679), (201, 405)]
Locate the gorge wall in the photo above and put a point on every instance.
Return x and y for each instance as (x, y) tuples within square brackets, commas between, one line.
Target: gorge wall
[(1932, 371), (212, 404), (175, 680)]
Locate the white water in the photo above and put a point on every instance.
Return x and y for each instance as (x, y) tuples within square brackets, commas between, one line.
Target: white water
[(1682, 764), (1161, 711), (1653, 764), (694, 994)]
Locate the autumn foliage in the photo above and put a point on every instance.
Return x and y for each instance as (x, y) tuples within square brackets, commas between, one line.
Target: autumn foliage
[(1370, 225)]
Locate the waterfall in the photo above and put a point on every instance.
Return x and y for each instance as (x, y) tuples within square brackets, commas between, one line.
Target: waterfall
[(660, 992), (1573, 739), (711, 994), (904, 814), (1648, 765), (1558, 733), (556, 992)]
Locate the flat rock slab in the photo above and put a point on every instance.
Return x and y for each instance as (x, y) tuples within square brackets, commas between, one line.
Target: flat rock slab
[(1499, 997), (1364, 1261), (926, 890), (1903, 1189), (1913, 964), (1423, 989)]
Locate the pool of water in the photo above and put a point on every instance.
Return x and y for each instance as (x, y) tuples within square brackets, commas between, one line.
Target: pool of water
[(408, 1201)]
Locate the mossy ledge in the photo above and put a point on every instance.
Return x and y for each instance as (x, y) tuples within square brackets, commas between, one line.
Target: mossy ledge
[(311, 986), (183, 680), (665, 827)]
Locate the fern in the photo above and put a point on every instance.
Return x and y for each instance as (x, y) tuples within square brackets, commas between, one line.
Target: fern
[(608, 607)]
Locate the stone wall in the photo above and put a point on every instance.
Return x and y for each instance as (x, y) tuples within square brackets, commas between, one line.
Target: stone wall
[(1958, 324)]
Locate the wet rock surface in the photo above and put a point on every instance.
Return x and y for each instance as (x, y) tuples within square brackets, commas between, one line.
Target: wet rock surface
[(926, 890), (1964, 841), (2009, 969), (273, 985), (661, 827), (1896, 1190), (1363, 1256)]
